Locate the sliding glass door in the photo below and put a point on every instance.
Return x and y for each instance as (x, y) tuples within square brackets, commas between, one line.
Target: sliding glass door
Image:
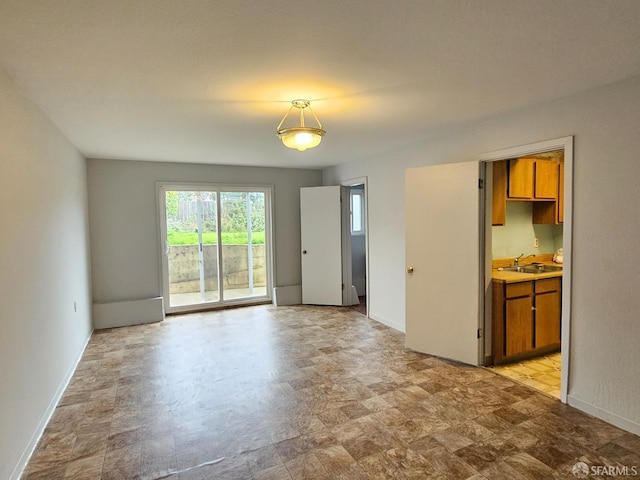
[(242, 232), (217, 244)]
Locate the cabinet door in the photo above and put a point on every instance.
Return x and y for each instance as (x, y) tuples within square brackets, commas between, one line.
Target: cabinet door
[(499, 203), (518, 325), (547, 315), (521, 176), (546, 180)]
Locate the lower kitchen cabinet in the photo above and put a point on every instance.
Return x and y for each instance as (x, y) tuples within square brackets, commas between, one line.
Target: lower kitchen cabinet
[(518, 327), (526, 318), (547, 313)]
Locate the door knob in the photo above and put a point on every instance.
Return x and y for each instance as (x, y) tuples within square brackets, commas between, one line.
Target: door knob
[(304, 252), (409, 269)]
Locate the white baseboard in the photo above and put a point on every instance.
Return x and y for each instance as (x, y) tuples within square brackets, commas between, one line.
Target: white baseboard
[(289, 295), (395, 325), (602, 414), (131, 312), (35, 438)]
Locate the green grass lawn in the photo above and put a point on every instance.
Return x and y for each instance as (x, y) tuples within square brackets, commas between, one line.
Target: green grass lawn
[(210, 238)]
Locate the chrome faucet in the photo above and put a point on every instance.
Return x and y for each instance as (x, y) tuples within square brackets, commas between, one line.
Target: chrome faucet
[(516, 261)]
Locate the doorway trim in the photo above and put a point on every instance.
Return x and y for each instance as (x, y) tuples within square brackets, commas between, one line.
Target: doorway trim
[(565, 143), (363, 181)]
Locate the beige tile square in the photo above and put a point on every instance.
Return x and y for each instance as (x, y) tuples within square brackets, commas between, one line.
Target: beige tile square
[(305, 466), (334, 458), (87, 468)]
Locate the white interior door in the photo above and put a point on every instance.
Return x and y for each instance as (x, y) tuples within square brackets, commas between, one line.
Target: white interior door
[(442, 233), (321, 235)]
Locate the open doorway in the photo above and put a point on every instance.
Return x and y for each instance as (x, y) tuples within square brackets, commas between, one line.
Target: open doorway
[(359, 241), (528, 264)]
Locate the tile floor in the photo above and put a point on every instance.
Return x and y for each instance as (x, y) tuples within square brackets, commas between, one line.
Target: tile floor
[(541, 373), (304, 393)]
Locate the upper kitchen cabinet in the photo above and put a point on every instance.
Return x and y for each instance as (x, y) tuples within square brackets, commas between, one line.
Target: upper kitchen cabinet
[(533, 179), (551, 213), (537, 179)]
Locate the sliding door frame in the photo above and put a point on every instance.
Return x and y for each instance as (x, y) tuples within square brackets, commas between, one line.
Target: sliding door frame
[(218, 188)]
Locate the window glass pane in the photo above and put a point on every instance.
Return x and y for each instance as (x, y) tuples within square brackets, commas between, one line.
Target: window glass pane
[(242, 224), (356, 212), (192, 253)]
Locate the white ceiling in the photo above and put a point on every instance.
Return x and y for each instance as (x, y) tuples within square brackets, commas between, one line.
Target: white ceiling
[(207, 81)]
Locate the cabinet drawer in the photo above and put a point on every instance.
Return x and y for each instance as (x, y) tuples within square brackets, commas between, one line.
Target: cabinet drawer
[(521, 289), (548, 285)]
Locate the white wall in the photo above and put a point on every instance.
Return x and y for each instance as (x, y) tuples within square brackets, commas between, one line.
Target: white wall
[(605, 304), (44, 269), (123, 220)]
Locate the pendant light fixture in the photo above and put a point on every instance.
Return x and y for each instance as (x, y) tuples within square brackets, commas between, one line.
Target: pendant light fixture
[(300, 137)]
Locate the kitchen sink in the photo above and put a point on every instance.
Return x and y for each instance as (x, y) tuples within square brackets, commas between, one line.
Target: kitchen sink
[(533, 268), (515, 268)]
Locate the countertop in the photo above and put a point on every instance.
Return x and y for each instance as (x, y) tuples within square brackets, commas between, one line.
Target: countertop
[(502, 276)]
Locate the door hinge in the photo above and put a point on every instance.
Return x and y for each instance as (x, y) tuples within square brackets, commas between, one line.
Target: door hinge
[(343, 286), (480, 183), (479, 333)]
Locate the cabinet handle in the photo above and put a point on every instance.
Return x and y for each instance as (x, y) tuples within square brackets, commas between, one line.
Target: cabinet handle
[(533, 308)]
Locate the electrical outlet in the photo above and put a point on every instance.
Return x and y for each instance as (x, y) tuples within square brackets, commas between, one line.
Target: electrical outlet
[(536, 243)]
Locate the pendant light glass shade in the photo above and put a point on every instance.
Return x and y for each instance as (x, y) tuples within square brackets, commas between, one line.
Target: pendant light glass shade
[(300, 137)]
